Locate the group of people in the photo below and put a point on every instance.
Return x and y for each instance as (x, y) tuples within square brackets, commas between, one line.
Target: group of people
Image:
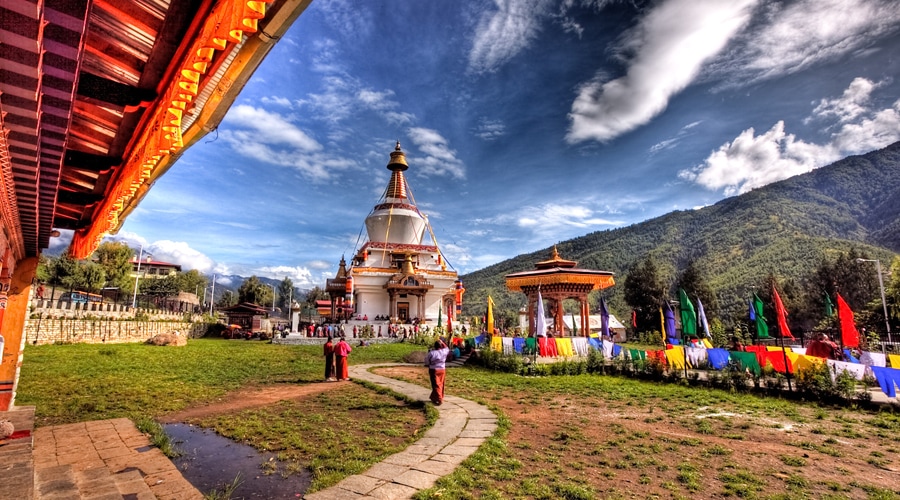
[(336, 360), (435, 360)]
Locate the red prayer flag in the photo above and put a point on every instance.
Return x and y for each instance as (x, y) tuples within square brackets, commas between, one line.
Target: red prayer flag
[(634, 318), (849, 335), (782, 315)]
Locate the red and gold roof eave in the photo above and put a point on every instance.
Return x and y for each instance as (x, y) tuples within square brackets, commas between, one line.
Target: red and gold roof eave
[(597, 279), (155, 146)]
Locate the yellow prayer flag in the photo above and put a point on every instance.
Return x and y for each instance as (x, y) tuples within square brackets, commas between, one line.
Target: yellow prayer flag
[(895, 360), (490, 315)]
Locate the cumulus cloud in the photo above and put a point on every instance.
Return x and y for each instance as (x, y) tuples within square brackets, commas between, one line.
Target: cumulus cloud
[(751, 161), (273, 138), (276, 100), (850, 105), (439, 158), (789, 37), (668, 46), (174, 252), (300, 276)]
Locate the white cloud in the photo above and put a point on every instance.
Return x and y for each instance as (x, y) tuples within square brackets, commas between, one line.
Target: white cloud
[(751, 161), (271, 128), (174, 252), (555, 219), (490, 129), (669, 46), (790, 37), (272, 138), (501, 34), (278, 101), (439, 158), (300, 276)]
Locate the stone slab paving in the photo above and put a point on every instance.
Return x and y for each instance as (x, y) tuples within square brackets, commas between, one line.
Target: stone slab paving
[(461, 428), (114, 447)]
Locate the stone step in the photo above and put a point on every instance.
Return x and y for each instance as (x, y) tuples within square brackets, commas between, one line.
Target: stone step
[(17, 455), (56, 483), (96, 483), (132, 486)]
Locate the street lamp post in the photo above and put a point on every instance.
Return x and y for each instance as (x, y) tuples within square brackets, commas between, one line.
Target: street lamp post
[(887, 323), (137, 276)]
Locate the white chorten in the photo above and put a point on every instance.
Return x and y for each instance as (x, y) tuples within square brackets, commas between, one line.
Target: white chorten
[(397, 273)]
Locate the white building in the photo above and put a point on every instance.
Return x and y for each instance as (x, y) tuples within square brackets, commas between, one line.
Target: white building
[(399, 272)]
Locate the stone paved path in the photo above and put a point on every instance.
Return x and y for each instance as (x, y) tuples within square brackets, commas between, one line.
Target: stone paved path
[(461, 428)]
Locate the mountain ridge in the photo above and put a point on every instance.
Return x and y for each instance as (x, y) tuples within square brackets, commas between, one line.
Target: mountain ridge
[(785, 228)]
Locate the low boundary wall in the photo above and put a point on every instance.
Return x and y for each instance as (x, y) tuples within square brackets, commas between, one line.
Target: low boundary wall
[(95, 330)]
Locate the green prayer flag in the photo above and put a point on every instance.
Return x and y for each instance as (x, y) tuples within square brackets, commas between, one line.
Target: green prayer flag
[(762, 329), (829, 306), (747, 360), (688, 315)]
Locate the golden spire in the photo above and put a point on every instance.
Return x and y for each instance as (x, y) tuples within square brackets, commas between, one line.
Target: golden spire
[(397, 185)]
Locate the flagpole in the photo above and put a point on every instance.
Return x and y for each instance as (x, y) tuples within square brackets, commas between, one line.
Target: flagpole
[(787, 372)]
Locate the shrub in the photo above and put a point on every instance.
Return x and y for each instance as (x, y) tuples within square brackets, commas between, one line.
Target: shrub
[(816, 381)]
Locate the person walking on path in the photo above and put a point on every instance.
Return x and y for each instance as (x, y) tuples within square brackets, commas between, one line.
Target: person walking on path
[(436, 360), (329, 361), (341, 351)]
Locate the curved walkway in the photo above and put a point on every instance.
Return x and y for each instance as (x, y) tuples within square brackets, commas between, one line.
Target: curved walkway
[(462, 427)]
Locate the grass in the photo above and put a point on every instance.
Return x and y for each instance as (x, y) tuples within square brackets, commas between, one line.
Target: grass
[(79, 382), (573, 436)]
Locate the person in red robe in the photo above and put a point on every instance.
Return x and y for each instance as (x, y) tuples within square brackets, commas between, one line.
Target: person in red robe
[(341, 351), (329, 361), (436, 360)]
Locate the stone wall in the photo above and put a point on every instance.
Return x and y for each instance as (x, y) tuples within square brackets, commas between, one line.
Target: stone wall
[(65, 309), (96, 330)]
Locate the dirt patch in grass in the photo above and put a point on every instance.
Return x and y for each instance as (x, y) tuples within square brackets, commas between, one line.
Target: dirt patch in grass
[(251, 397), (663, 447)]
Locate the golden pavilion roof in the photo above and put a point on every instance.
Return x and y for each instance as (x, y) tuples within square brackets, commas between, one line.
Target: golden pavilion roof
[(558, 271)]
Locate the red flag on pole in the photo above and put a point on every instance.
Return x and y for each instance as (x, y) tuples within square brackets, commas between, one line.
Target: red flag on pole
[(634, 318), (782, 315), (849, 335)]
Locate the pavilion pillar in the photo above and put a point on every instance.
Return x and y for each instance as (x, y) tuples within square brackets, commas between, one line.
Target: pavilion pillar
[(587, 318), (559, 315), (14, 309)]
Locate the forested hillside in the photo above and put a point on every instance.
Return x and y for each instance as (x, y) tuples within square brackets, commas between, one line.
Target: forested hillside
[(786, 229)]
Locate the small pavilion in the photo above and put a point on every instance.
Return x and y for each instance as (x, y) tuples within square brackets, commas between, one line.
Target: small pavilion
[(555, 280)]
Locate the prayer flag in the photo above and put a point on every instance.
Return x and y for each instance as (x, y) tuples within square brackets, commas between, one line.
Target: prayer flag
[(574, 326), (762, 329), (701, 316), (849, 335), (752, 311), (829, 306), (490, 315), (541, 326), (781, 313), (688, 316), (440, 310), (633, 318), (670, 322), (604, 318)]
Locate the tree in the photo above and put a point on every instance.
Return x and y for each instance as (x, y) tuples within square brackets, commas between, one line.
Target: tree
[(92, 277), (644, 292), (192, 282), (694, 284), (285, 294), (115, 259), (254, 291), (315, 294)]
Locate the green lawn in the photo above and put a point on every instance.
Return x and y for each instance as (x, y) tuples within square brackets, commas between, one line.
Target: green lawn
[(79, 382), (568, 436)]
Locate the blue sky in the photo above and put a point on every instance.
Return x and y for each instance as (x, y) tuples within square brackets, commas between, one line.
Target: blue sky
[(525, 123)]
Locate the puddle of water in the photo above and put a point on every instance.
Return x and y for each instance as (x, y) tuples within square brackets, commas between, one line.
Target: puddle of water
[(209, 461)]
